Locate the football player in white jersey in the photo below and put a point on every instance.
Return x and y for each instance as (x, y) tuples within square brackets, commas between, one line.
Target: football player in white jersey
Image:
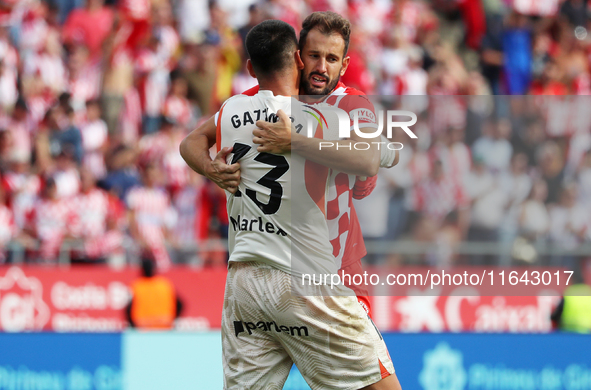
[(323, 43), (265, 327)]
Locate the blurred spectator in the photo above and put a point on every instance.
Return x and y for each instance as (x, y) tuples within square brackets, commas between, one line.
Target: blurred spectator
[(530, 141), (256, 14), (8, 87), (574, 12), (22, 129), (65, 174), (516, 185), (517, 58), (64, 136), (550, 160), (494, 147), (51, 221), (96, 221), (151, 216), (89, 26), (5, 149), (8, 229), (22, 187), (488, 205), (176, 106), (94, 139), (372, 212), (48, 65), (534, 221), (584, 181), (439, 195), (154, 302), (568, 224), (187, 204), (549, 82), (492, 59), (162, 148), (123, 174), (212, 225)]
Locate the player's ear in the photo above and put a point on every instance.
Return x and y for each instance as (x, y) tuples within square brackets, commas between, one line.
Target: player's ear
[(345, 65), (250, 69), (298, 60)]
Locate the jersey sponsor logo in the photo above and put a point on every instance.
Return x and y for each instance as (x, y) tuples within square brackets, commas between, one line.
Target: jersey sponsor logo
[(255, 224), (271, 326), (363, 115)]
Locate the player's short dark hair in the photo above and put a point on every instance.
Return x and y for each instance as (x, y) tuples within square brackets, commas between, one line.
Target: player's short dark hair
[(270, 46), (327, 23)]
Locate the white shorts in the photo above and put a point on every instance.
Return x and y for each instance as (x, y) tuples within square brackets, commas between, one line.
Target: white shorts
[(265, 329)]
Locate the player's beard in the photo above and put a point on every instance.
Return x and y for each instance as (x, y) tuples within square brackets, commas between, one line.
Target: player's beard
[(308, 89)]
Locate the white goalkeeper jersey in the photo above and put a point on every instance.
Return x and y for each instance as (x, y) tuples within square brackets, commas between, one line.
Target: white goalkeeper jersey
[(278, 215)]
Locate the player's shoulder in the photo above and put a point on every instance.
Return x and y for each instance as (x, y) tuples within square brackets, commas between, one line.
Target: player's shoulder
[(344, 95), (353, 92), (237, 99), (343, 90)]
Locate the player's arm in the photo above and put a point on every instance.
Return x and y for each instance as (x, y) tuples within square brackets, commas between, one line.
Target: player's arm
[(195, 151), (340, 155)]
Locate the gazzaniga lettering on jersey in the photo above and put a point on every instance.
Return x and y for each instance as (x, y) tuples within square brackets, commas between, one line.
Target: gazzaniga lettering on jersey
[(247, 224), (250, 118), (245, 326)]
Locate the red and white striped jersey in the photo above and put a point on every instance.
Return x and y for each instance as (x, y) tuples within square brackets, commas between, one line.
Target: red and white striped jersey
[(130, 120), (186, 204), (409, 17), (22, 190), (446, 111), (163, 149), (152, 215), (345, 232), (8, 88), (38, 106), (50, 68), (21, 132), (436, 199), (179, 109), (8, 229), (33, 33), (94, 135), (67, 182), (85, 85), (155, 66), (8, 54), (51, 220), (456, 159), (91, 209), (565, 115)]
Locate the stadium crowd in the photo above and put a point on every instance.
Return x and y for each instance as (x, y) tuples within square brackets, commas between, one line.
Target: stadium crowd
[(96, 96)]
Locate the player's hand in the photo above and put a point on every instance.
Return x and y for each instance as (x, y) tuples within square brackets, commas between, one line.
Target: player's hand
[(224, 175), (273, 137)]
